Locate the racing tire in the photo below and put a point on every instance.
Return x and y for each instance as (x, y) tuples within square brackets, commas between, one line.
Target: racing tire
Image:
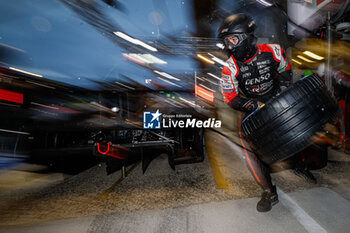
[(285, 124)]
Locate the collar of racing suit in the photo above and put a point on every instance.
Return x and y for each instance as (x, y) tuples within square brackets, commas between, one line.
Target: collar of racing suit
[(252, 56)]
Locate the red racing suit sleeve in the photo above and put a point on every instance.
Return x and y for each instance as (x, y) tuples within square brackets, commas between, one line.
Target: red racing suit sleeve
[(284, 68), (230, 91)]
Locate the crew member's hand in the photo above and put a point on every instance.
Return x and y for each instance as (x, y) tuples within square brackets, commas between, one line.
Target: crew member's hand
[(260, 104), (253, 105), (283, 88)]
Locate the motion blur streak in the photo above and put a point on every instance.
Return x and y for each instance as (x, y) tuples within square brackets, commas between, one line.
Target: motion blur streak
[(135, 41), (214, 76), (221, 62), (298, 62), (167, 81), (12, 131), (305, 59), (219, 45), (205, 59), (133, 59), (263, 2), (207, 80), (246, 152), (314, 56), (11, 96), (187, 101), (166, 75), (218, 60), (39, 84), (148, 58), (125, 85), (25, 72), (43, 105), (207, 88), (205, 94)]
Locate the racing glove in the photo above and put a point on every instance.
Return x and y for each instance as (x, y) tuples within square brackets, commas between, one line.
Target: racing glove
[(245, 105)]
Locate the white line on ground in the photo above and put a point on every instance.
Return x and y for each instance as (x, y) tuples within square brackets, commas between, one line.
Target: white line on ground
[(302, 217), (306, 220)]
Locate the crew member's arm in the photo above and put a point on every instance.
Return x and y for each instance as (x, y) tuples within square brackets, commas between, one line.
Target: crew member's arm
[(284, 68), (229, 85)]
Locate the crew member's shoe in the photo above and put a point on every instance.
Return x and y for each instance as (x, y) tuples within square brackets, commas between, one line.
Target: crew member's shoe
[(269, 198), (305, 174)]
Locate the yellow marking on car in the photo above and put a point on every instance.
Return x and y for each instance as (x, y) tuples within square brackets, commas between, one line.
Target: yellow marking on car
[(110, 189)]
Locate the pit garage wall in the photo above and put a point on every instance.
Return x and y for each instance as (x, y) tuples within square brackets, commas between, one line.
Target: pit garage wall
[(310, 14)]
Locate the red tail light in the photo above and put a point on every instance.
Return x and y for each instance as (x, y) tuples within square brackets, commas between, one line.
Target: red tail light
[(11, 96), (204, 93), (113, 151)]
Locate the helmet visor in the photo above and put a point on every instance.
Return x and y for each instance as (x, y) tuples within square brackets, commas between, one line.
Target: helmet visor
[(234, 40)]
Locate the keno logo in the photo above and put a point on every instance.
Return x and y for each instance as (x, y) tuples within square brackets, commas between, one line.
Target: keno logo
[(151, 120)]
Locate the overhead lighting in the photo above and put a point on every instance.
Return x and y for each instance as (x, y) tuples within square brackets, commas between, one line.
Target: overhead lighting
[(214, 76), (115, 109), (125, 37), (134, 59), (154, 59), (166, 75), (218, 60), (25, 72), (205, 59), (148, 58), (314, 56), (121, 84), (147, 46), (221, 62), (296, 61), (305, 59), (138, 56), (12, 131), (263, 2), (135, 41), (167, 81), (221, 46)]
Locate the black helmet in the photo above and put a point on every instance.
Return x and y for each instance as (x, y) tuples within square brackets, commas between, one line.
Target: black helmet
[(241, 26)]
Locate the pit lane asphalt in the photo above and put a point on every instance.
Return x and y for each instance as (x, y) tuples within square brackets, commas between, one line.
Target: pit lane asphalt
[(218, 195)]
